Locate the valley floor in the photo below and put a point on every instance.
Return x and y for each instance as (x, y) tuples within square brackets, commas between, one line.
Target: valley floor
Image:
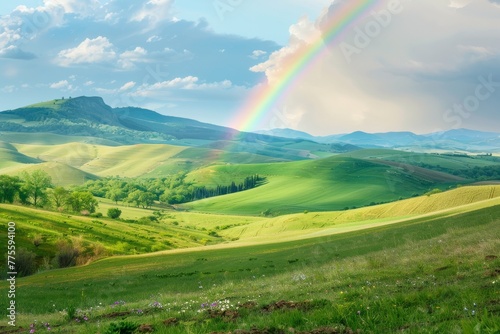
[(434, 272)]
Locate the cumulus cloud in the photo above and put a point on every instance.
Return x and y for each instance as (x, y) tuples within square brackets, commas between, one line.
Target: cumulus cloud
[(136, 42), (302, 35), (79, 7), (185, 83), (400, 78), (63, 84), (129, 58), (153, 11), (90, 51)]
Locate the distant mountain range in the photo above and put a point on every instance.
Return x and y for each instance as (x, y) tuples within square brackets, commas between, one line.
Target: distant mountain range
[(91, 120), (92, 117), (456, 139)]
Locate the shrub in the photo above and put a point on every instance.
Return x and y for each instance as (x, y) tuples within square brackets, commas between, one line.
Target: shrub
[(147, 220), (37, 240), (124, 327), (114, 213), (25, 262), (266, 213), (433, 191), (66, 256)]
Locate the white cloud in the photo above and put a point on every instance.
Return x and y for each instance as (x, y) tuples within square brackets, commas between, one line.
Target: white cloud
[(129, 58), (302, 35), (90, 51), (89, 83), (129, 85), (402, 79), (305, 31), (82, 8), (257, 54), (153, 11), (186, 83), (8, 36), (63, 84), (154, 38)]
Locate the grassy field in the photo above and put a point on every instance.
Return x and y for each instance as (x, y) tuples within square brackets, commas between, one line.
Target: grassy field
[(411, 158), (180, 229), (106, 236), (433, 274), (142, 160), (312, 224), (290, 256), (328, 184), (10, 157)]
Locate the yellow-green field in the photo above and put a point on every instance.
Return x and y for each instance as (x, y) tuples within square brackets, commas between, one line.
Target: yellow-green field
[(434, 272)]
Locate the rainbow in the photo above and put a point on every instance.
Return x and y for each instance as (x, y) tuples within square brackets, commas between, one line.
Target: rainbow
[(265, 97)]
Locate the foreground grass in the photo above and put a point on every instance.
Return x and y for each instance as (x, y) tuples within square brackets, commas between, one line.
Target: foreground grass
[(97, 237), (426, 275)]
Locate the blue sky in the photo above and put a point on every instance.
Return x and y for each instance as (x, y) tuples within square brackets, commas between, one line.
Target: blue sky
[(421, 70)]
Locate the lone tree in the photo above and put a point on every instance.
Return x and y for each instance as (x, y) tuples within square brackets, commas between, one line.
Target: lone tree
[(35, 185), (114, 213)]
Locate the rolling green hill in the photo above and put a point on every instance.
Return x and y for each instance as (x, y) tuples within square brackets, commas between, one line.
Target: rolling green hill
[(141, 160), (320, 185), (446, 161), (434, 273), (451, 202), (11, 157), (61, 174)]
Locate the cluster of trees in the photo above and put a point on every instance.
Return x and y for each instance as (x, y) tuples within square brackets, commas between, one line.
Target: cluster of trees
[(480, 173), (483, 173), (171, 190), (36, 189)]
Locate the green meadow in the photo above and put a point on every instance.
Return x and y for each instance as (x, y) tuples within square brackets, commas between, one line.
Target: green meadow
[(327, 184), (432, 271), (371, 241)]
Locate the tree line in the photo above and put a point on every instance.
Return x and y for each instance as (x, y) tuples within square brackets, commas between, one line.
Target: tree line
[(174, 189), (37, 189)]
